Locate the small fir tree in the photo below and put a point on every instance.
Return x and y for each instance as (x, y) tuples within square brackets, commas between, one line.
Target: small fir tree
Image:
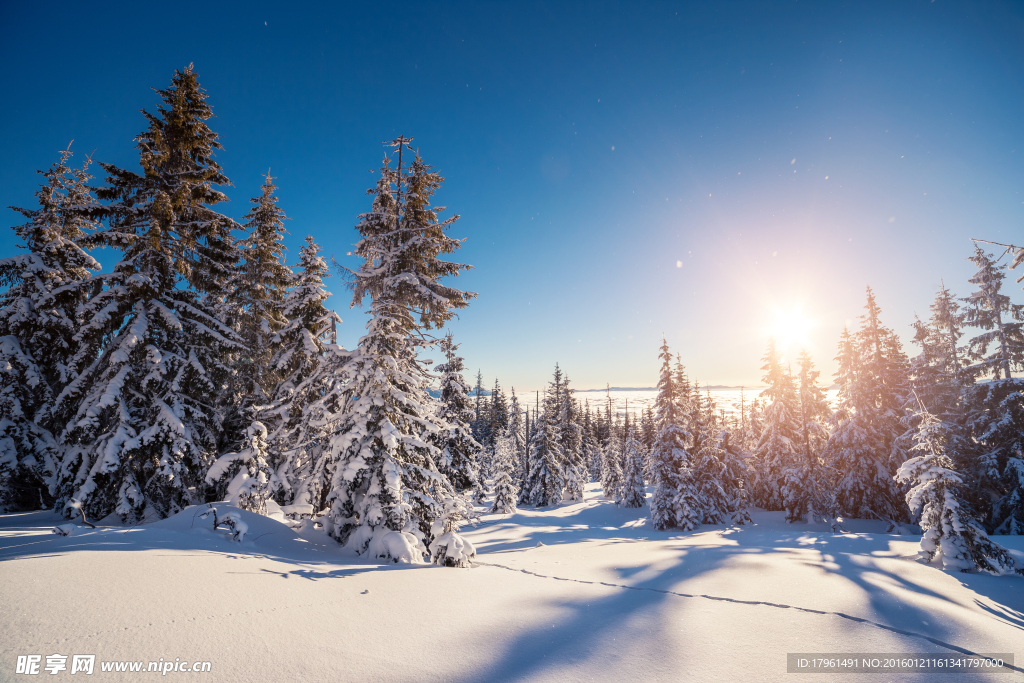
[(632, 493), (546, 479), (951, 535), (506, 492), (459, 450), (674, 502)]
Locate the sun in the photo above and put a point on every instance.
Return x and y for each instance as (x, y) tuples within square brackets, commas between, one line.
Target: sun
[(791, 329)]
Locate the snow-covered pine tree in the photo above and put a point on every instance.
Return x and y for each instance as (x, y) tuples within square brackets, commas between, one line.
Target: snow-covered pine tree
[(311, 365), (245, 478), (814, 417), (736, 479), (591, 446), (708, 471), (611, 465), (506, 491), (38, 322), (997, 406), (141, 431), (951, 534), (938, 374), (459, 450), (256, 306), (480, 421), (1003, 321), (632, 493), (497, 423), (388, 498), (546, 479), (755, 425), (939, 382), (647, 435), (517, 438), (684, 392), (872, 378), (782, 484), (571, 434), (674, 502), (1015, 253)]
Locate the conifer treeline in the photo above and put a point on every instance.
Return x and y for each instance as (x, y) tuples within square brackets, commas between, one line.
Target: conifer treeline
[(936, 439), (203, 368)]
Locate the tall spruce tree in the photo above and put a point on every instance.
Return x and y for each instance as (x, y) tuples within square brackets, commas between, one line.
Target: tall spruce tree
[(387, 496), (497, 423), (709, 468), (863, 447), (38, 322), (141, 431), (1003, 321), (611, 470), (632, 493), (571, 434), (256, 306), (674, 501), (996, 421), (591, 445), (506, 491), (814, 418), (939, 382), (546, 479), (782, 483), (517, 438)]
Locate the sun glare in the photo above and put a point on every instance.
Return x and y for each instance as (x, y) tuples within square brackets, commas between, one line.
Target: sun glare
[(791, 329)]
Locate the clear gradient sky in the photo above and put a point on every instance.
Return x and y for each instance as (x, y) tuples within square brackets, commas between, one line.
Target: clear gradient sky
[(622, 170)]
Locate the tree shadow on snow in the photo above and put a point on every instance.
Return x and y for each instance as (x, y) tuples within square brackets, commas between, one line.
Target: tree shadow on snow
[(591, 624)]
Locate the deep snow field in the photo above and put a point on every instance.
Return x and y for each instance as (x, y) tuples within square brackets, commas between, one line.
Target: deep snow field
[(583, 592)]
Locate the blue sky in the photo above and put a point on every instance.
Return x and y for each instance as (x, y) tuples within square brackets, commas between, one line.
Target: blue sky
[(622, 170)]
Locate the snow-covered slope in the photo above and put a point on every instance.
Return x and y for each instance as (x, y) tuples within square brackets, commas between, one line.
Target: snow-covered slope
[(583, 592)]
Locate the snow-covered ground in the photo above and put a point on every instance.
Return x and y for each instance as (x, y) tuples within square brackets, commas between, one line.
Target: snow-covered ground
[(583, 592)]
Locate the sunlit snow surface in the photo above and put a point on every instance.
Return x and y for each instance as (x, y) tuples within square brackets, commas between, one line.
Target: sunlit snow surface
[(586, 591)]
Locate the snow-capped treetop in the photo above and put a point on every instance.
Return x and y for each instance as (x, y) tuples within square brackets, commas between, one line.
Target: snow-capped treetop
[(43, 286), (991, 310), (260, 289), (302, 342), (400, 247), (168, 206)]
